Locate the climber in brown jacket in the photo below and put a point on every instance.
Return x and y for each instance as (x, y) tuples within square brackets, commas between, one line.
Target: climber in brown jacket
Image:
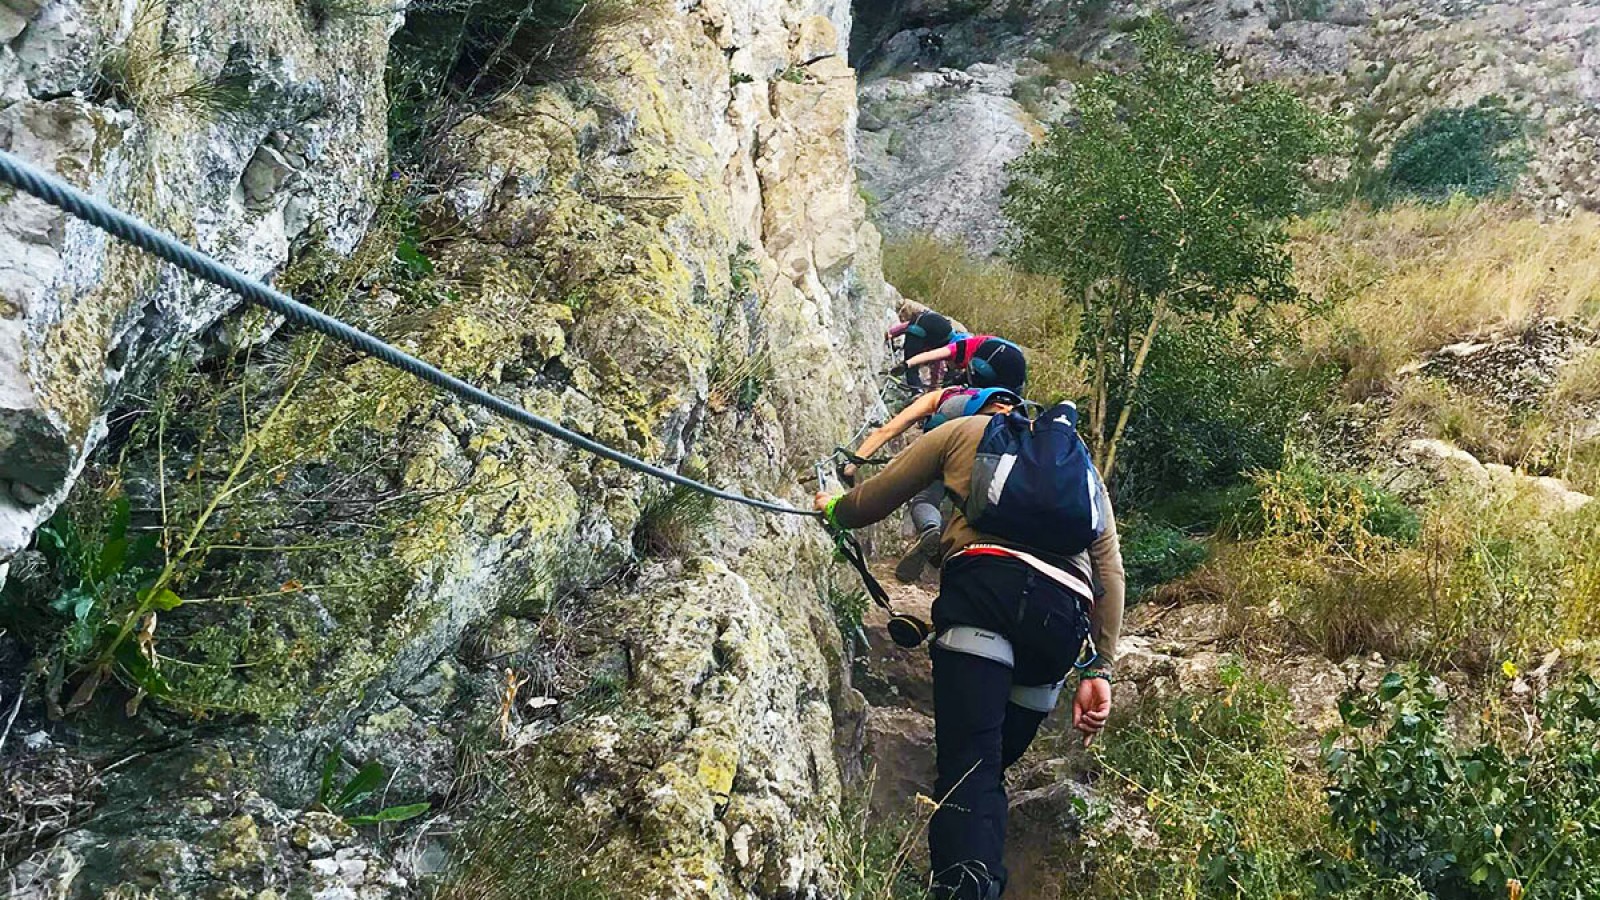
[(1012, 623)]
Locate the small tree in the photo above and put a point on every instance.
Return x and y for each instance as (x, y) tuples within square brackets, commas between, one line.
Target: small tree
[(1162, 205)]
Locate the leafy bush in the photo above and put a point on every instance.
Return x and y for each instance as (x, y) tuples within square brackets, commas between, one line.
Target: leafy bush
[(1160, 207), (1478, 822), (849, 605), (1477, 150), (1154, 554), (1477, 576), (1217, 401), (1343, 509), (1332, 553)]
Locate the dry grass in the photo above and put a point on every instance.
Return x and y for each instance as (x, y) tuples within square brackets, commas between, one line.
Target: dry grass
[(1493, 575), (1578, 384), (1412, 278), (991, 297), (1471, 423)]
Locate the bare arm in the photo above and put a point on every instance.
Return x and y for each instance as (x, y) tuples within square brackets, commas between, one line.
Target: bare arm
[(932, 356), (920, 408)]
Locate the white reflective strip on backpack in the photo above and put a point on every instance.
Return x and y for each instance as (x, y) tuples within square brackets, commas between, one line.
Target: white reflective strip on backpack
[(978, 642), (1095, 524), (997, 481), (1039, 698)]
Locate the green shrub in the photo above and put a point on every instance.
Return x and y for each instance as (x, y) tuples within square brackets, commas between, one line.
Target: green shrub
[(673, 520), (1327, 557), (875, 860), (1469, 822), (1206, 509), (849, 605), (1477, 150), (1154, 554), (1342, 507)]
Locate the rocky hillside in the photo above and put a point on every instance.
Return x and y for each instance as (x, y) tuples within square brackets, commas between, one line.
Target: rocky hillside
[(956, 90), (368, 585)]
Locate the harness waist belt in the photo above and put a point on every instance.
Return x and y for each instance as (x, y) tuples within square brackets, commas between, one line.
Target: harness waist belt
[(993, 646), (1074, 581), (1039, 698), (980, 642)]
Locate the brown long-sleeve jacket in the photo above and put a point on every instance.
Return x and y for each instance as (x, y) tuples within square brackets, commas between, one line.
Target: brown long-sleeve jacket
[(947, 454)]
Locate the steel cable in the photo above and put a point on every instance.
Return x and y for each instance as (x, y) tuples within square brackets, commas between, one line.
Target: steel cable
[(59, 194)]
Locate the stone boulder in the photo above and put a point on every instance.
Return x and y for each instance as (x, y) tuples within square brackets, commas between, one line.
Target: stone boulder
[(1426, 464)]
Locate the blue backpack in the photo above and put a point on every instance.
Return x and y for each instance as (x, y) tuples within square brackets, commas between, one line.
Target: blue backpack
[(1033, 483)]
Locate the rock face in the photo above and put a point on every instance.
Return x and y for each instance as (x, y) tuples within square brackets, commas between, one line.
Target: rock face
[(934, 147), (237, 126), (606, 251), (1383, 63)]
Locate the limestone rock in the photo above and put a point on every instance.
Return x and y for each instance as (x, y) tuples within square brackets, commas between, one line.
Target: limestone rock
[(594, 234), (1425, 464), (1397, 60), (80, 315), (934, 160)]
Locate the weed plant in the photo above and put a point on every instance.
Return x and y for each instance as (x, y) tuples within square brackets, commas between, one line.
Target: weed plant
[(237, 537), (1512, 814), (1475, 577), (1233, 814), (153, 71), (878, 860), (673, 521)]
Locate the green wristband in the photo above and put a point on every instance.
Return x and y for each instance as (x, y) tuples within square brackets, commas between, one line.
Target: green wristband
[(1096, 673), (827, 512)]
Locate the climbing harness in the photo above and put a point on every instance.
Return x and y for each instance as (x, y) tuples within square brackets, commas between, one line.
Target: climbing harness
[(59, 194), (905, 630)]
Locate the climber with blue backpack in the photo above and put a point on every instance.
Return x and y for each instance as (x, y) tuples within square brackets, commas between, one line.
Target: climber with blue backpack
[(1031, 590), (1000, 387)]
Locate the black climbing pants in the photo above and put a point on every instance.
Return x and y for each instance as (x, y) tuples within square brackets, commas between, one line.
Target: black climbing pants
[(978, 731)]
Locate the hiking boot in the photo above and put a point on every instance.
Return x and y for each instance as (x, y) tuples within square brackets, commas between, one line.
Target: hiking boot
[(909, 569)]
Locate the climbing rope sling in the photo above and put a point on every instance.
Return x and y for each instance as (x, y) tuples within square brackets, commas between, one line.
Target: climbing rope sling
[(63, 196)]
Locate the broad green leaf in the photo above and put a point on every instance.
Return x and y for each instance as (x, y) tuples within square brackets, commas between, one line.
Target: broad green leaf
[(1391, 686), (391, 814), (121, 515), (164, 600), (330, 767), (140, 671), (362, 785), (112, 556)]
